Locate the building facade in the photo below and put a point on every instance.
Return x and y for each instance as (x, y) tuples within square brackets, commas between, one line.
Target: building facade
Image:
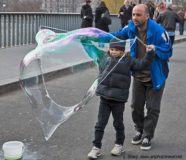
[(74, 6), (62, 6), (157, 1), (176, 3)]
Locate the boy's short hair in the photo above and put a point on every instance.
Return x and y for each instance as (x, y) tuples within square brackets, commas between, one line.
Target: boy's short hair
[(115, 43)]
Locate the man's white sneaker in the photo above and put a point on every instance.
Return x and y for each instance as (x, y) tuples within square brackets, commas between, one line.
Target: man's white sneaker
[(94, 153), (117, 150)]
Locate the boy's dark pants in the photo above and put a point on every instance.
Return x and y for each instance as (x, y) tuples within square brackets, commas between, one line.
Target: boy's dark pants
[(144, 94), (106, 107)]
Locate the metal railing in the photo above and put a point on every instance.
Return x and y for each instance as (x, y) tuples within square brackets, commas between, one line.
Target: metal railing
[(20, 28)]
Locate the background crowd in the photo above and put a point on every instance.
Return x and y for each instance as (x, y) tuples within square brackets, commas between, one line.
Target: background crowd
[(167, 16)]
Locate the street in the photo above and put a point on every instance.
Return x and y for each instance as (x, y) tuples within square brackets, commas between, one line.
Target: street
[(72, 140)]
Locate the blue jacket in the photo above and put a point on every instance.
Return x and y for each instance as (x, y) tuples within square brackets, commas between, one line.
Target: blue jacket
[(157, 36)]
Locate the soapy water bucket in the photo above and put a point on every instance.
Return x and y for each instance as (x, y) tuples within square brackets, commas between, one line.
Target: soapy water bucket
[(13, 150)]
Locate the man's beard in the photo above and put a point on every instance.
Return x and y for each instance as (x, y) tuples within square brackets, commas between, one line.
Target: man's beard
[(141, 24)]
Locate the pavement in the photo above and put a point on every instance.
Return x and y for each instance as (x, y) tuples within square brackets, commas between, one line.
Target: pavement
[(10, 59), (72, 140)]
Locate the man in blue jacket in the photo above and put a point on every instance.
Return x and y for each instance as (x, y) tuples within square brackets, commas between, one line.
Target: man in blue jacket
[(148, 84)]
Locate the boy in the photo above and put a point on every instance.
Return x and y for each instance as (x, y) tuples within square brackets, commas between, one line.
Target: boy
[(113, 90)]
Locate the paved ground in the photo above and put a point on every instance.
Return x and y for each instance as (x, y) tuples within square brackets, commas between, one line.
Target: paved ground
[(72, 140)]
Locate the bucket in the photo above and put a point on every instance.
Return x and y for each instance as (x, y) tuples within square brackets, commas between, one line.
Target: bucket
[(13, 150)]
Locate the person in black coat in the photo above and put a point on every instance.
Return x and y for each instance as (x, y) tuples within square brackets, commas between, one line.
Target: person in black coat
[(86, 15), (151, 8), (125, 13), (113, 89), (100, 22)]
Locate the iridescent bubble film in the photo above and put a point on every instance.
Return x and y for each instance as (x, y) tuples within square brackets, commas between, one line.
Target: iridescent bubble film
[(68, 56)]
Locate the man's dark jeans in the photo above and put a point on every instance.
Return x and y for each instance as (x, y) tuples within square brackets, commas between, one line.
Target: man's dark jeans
[(143, 94), (181, 27), (172, 38), (106, 107)]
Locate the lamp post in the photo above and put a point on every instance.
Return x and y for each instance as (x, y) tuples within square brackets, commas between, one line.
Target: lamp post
[(4, 6)]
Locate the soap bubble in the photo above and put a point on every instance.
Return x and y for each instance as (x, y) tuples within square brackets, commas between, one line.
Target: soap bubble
[(69, 56)]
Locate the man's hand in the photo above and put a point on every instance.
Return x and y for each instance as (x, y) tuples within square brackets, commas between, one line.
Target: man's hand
[(150, 48)]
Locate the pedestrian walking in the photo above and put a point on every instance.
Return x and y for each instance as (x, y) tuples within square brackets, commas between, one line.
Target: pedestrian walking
[(181, 14), (125, 13), (114, 91), (151, 8), (102, 17), (86, 15), (168, 20), (159, 9)]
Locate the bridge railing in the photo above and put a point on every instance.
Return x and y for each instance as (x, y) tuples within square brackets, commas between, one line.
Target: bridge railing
[(20, 28)]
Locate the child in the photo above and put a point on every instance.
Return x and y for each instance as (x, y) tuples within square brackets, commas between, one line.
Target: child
[(114, 91)]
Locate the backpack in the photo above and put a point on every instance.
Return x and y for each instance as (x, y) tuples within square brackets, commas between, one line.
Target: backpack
[(106, 17)]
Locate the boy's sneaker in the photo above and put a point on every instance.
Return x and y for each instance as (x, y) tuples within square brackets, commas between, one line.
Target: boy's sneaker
[(117, 150), (137, 138), (146, 144), (94, 153)]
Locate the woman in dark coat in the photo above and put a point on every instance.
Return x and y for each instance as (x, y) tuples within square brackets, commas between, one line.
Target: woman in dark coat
[(125, 13), (100, 22), (86, 15)]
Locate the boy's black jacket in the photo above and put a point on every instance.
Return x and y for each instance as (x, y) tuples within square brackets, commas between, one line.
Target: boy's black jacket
[(116, 84)]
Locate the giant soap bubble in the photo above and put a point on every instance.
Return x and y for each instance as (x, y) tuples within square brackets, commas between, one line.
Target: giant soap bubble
[(69, 56)]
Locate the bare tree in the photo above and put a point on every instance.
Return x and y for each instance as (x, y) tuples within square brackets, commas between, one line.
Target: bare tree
[(23, 5)]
